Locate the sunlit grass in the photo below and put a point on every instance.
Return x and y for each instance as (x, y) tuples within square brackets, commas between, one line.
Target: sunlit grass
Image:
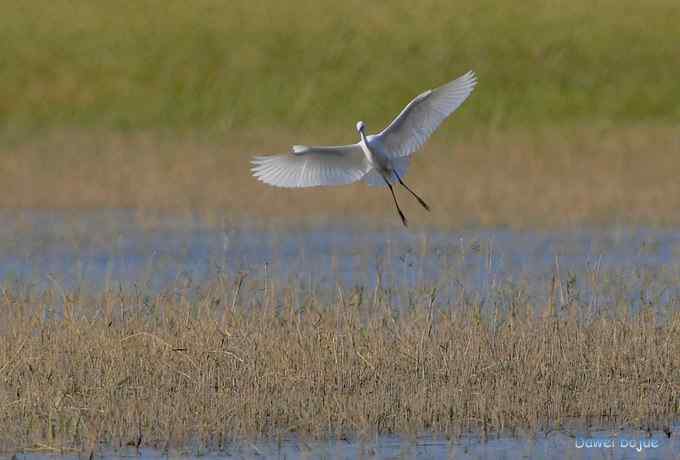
[(309, 65), (212, 363), (158, 107), (560, 177), (160, 104)]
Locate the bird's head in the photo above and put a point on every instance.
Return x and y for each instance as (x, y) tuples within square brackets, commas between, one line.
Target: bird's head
[(360, 126)]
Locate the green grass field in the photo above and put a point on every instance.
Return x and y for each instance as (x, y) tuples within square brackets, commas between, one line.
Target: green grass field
[(309, 65)]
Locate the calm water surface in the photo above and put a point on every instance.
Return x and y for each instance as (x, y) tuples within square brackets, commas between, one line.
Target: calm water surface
[(103, 247), (593, 445)]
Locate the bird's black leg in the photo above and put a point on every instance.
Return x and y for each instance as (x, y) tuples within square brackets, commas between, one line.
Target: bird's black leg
[(401, 214), (420, 200)]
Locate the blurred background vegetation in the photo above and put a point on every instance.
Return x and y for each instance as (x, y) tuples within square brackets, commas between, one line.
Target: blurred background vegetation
[(218, 65), (255, 76)]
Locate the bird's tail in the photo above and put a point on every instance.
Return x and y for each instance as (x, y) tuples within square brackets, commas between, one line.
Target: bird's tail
[(401, 164)]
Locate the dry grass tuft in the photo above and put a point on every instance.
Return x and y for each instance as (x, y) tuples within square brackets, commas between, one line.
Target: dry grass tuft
[(543, 178), (125, 367)]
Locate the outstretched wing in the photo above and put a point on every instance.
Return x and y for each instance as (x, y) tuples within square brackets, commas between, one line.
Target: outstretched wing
[(312, 166), (423, 115)]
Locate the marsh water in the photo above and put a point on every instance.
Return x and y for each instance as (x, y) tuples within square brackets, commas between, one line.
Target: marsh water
[(105, 247), (555, 445)]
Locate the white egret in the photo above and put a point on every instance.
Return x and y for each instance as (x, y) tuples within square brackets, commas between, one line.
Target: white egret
[(381, 159)]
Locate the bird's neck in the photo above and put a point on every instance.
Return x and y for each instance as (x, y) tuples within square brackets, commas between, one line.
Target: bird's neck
[(363, 137), (365, 147)]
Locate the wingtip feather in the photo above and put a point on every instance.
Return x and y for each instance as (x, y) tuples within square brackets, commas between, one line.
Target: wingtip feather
[(470, 77)]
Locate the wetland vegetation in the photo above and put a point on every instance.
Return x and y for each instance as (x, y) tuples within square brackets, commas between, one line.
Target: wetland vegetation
[(270, 318)]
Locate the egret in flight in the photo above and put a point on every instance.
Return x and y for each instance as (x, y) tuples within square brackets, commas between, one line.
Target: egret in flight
[(381, 159)]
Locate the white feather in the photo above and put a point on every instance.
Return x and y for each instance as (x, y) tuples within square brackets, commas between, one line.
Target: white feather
[(423, 115), (386, 153), (312, 166)]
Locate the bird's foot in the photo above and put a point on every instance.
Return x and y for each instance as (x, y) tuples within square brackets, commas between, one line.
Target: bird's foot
[(403, 219), (423, 204)]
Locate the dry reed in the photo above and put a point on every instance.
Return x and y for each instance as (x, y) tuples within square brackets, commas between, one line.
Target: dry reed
[(207, 365), (546, 178)]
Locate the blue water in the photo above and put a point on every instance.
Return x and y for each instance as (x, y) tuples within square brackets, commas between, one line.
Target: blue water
[(106, 247), (554, 445)]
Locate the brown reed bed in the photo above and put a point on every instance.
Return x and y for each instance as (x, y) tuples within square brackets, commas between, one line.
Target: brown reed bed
[(211, 364), (550, 177)]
